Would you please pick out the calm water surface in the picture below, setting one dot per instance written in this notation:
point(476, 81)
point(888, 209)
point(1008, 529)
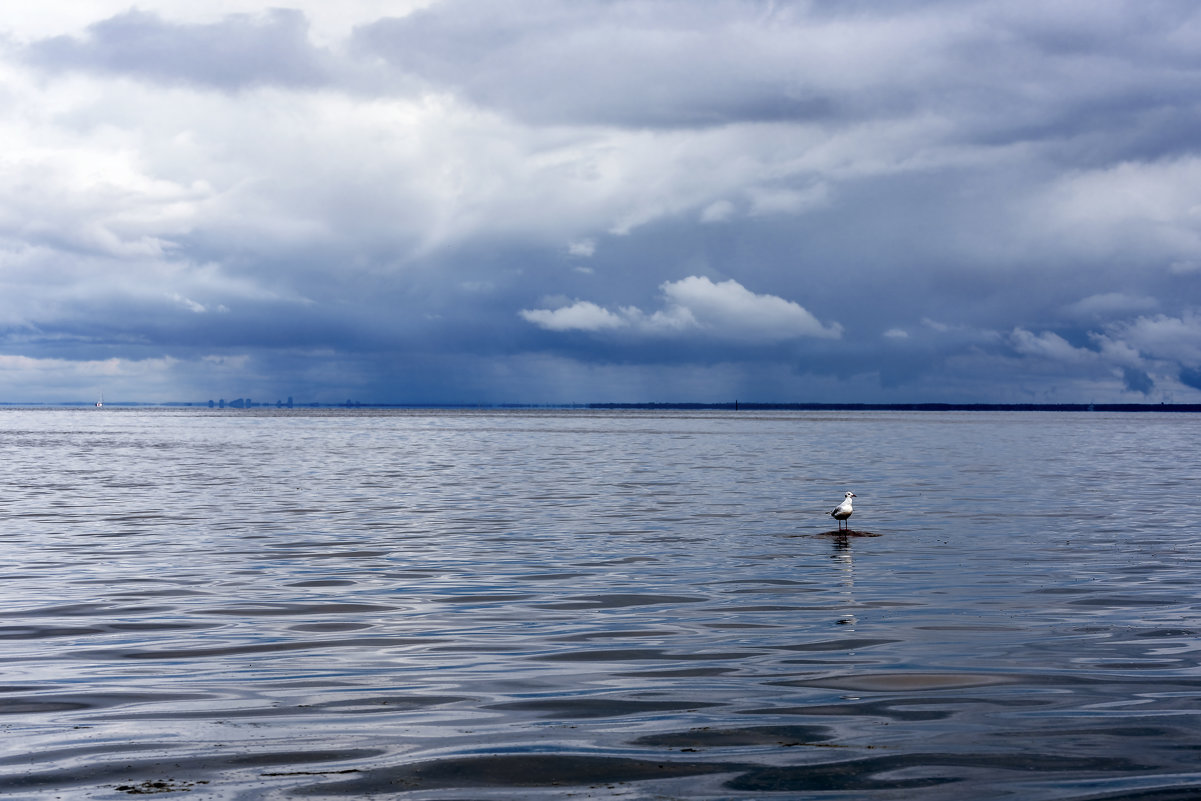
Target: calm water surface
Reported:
point(636, 605)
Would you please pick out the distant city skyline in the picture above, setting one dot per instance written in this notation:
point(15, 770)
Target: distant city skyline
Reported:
point(465, 202)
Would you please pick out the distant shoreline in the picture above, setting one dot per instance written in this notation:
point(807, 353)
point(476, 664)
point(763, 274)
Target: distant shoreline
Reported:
point(732, 406)
point(916, 407)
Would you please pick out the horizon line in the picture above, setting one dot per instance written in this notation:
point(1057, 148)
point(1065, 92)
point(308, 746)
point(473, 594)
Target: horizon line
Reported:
point(241, 404)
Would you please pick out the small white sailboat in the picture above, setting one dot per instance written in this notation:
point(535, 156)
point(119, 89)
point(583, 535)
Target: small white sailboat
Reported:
point(100, 402)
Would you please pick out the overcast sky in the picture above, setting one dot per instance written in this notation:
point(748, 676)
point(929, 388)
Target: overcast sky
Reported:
point(552, 201)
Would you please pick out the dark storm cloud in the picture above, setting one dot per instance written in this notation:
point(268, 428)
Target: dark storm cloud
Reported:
point(1137, 380)
point(614, 200)
point(994, 73)
point(1191, 378)
point(236, 52)
point(663, 64)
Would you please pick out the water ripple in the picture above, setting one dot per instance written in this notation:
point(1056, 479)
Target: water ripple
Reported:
point(522, 604)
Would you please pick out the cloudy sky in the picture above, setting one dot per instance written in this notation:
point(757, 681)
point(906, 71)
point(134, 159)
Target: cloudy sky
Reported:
point(555, 201)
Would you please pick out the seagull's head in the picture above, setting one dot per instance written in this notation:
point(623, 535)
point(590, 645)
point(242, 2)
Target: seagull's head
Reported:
point(851, 495)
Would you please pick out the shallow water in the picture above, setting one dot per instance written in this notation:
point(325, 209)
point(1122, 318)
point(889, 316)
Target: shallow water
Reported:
point(638, 605)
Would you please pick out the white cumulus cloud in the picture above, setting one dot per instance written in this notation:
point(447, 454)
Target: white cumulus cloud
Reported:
point(580, 316)
point(725, 310)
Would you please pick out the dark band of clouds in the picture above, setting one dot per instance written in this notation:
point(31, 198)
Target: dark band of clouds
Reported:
point(236, 52)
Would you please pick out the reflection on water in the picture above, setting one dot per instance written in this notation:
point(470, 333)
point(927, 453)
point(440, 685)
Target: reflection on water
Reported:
point(846, 570)
point(631, 605)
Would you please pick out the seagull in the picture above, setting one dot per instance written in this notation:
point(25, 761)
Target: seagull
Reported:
point(843, 510)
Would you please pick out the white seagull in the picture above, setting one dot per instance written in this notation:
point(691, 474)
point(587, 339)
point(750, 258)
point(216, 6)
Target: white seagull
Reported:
point(843, 510)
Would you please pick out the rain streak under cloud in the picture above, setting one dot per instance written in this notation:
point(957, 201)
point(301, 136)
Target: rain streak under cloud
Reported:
point(553, 201)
